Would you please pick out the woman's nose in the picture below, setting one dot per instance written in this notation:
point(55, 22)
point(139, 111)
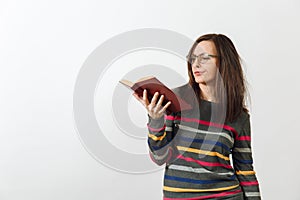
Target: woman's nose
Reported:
point(196, 65)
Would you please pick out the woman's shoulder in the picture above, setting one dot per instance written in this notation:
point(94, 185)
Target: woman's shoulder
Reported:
point(240, 120)
point(182, 89)
point(186, 92)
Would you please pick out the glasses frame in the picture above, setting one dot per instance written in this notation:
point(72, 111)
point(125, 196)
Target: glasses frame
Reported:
point(200, 61)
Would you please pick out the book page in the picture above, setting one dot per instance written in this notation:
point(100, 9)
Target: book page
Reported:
point(126, 82)
point(145, 78)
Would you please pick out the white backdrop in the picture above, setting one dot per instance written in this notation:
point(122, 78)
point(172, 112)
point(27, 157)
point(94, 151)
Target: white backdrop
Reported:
point(43, 45)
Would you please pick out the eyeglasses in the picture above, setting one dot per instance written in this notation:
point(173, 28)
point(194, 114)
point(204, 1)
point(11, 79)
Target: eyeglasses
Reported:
point(202, 58)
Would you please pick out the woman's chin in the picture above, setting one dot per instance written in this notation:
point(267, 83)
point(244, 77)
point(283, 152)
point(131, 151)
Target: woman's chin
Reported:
point(200, 81)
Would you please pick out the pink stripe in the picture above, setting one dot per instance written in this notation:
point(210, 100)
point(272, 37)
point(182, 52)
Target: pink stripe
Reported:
point(249, 183)
point(222, 194)
point(248, 138)
point(204, 163)
point(169, 117)
point(207, 123)
point(156, 129)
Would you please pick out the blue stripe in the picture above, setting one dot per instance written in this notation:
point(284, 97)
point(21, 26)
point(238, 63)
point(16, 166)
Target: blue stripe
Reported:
point(158, 147)
point(190, 140)
point(244, 161)
point(205, 141)
point(174, 178)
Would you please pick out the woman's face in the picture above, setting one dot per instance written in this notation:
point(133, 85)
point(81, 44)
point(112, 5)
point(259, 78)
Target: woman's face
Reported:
point(204, 67)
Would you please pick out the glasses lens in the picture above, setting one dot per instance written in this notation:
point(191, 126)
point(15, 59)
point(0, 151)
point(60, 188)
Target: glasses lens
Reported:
point(191, 59)
point(203, 59)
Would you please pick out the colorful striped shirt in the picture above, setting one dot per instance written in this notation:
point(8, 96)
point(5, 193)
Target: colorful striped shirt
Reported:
point(204, 160)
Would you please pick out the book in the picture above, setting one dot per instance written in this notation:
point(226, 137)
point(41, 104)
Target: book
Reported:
point(152, 85)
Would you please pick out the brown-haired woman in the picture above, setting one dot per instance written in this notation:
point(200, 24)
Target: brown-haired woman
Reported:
point(196, 145)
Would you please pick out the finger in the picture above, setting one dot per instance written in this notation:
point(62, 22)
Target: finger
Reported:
point(136, 95)
point(145, 97)
point(139, 98)
point(166, 106)
point(158, 105)
point(154, 99)
point(160, 101)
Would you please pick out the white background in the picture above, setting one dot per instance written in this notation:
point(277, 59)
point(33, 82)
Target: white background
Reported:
point(43, 45)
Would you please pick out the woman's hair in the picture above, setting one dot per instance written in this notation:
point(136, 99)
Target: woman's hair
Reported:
point(231, 72)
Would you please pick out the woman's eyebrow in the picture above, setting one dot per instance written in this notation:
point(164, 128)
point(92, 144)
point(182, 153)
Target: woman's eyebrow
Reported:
point(203, 53)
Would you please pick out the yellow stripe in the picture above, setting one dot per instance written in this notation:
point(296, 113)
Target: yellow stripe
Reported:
point(153, 137)
point(172, 189)
point(211, 153)
point(245, 172)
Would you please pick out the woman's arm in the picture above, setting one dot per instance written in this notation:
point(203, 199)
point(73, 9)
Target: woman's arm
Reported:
point(243, 163)
point(160, 130)
point(160, 139)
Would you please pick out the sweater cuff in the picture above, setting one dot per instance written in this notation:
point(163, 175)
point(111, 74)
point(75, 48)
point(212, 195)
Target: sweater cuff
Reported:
point(156, 123)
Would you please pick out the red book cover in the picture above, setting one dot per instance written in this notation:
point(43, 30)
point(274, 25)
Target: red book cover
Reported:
point(152, 85)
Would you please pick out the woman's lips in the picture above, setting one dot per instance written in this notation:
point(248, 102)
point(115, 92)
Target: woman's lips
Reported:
point(198, 73)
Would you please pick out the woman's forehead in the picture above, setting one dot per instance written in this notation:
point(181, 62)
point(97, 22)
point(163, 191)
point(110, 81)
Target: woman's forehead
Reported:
point(205, 47)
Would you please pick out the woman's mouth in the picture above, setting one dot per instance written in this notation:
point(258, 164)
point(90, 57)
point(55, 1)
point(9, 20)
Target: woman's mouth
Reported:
point(199, 73)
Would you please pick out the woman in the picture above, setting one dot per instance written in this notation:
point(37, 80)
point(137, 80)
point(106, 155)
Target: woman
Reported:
point(196, 145)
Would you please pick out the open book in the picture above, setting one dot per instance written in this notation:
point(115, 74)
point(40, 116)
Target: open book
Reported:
point(152, 85)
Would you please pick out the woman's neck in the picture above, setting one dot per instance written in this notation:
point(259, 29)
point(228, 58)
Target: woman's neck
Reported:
point(207, 92)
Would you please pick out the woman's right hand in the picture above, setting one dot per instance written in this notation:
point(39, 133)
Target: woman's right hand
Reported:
point(155, 109)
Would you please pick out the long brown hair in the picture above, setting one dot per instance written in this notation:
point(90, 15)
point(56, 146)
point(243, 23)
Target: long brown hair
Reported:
point(231, 72)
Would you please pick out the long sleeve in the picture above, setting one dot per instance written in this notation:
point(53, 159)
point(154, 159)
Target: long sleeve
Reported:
point(160, 139)
point(243, 163)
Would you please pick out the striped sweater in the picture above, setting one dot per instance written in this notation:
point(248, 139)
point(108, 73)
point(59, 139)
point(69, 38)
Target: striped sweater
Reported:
point(204, 160)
